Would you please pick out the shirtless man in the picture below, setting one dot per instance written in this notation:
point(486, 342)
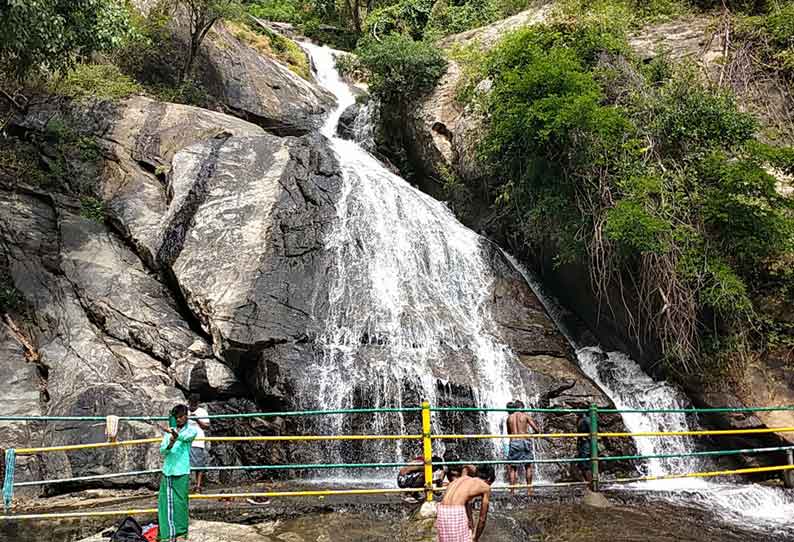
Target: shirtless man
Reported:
point(519, 423)
point(454, 520)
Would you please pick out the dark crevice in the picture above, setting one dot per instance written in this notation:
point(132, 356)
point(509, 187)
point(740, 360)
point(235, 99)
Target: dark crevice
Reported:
point(147, 145)
point(272, 126)
point(306, 196)
point(176, 230)
point(169, 282)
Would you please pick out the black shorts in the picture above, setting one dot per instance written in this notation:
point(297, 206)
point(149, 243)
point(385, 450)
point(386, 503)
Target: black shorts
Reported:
point(412, 480)
point(583, 452)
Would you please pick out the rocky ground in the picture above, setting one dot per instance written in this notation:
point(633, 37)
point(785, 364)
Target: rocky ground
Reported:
point(549, 516)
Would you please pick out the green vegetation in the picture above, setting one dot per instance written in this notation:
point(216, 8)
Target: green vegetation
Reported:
point(10, 298)
point(59, 159)
point(19, 163)
point(49, 36)
point(645, 174)
point(103, 81)
point(400, 68)
point(350, 67)
point(321, 20)
point(771, 36)
point(92, 209)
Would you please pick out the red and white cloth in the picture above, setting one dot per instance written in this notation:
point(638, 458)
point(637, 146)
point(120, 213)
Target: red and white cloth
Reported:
point(452, 524)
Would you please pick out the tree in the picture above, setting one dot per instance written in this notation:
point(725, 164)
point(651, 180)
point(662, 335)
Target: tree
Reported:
point(50, 36)
point(202, 15)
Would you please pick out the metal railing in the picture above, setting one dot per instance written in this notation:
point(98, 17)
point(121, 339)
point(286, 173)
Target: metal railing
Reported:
point(427, 437)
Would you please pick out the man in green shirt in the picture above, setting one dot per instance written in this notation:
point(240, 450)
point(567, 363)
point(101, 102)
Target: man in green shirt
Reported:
point(172, 502)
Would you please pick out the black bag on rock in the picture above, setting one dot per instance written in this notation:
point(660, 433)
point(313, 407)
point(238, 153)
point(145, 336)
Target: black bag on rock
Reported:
point(128, 531)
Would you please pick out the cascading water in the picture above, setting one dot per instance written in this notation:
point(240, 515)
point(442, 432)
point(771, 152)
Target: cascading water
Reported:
point(408, 296)
point(630, 388)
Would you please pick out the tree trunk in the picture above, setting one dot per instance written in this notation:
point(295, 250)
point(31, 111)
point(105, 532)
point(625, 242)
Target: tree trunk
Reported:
point(357, 16)
point(189, 60)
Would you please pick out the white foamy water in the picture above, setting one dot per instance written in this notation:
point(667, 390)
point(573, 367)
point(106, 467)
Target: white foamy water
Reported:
point(630, 388)
point(409, 294)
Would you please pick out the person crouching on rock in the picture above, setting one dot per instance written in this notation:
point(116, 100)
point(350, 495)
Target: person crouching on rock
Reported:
point(454, 518)
point(413, 476)
point(172, 501)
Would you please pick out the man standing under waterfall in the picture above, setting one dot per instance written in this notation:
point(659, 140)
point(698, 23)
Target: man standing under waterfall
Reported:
point(519, 423)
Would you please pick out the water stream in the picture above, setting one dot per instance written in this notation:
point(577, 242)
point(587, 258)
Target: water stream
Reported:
point(629, 387)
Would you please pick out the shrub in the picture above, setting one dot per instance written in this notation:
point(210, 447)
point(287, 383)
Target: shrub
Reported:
point(349, 67)
point(10, 297)
point(647, 171)
point(400, 67)
point(744, 210)
point(149, 53)
point(452, 19)
point(189, 93)
point(92, 209)
point(96, 81)
point(690, 117)
point(49, 36)
point(285, 11)
point(407, 17)
point(635, 229)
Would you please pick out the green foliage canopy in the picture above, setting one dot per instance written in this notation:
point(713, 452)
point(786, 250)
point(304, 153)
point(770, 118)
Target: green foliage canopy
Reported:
point(647, 171)
point(400, 67)
point(52, 35)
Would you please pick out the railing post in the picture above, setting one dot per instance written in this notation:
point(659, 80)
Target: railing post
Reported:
point(427, 447)
point(594, 446)
point(788, 475)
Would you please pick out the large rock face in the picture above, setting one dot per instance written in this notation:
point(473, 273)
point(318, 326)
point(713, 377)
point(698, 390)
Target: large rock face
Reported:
point(259, 88)
point(88, 369)
point(200, 274)
point(209, 273)
point(442, 134)
point(248, 84)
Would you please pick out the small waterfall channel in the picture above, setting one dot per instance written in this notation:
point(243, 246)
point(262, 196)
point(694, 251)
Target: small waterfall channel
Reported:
point(409, 296)
point(629, 387)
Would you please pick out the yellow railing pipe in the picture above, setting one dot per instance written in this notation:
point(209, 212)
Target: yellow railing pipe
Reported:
point(427, 450)
point(699, 433)
point(533, 435)
point(707, 474)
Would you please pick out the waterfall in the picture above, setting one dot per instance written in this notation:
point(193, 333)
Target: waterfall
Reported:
point(409, 307)
point(629, 387)
point(408, 296)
